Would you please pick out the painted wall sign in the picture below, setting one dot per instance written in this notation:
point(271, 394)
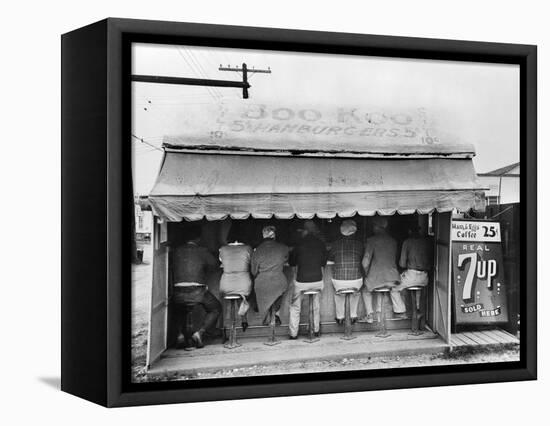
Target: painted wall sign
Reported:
point(258, 126)
point(478, 274)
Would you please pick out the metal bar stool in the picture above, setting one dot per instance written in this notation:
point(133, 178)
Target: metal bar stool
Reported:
point(311, 326)
point(188, 328)
point(232, 343)
point(416, 292)
point(271, 341)
point(348, 327)
point(382, 292)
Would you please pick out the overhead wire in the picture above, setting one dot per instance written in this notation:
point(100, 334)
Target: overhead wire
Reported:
point(192, 67)
point(146, 143)
point(201, 70)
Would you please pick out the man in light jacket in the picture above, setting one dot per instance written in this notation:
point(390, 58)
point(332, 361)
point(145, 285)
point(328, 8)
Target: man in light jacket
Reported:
point(380, 267)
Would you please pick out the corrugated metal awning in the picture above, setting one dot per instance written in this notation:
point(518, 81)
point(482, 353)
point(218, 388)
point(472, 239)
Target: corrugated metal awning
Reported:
point(199, 185)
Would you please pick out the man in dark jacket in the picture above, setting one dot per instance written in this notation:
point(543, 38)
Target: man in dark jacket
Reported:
point(309, 256)
point(190, 265)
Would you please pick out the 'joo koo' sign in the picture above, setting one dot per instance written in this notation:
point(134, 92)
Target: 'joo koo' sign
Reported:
point(478, 279)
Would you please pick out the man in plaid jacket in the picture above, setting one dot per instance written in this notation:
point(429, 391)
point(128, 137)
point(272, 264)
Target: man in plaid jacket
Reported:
point(347, 253)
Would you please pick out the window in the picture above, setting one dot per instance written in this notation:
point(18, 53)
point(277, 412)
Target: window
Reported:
point(492, 200)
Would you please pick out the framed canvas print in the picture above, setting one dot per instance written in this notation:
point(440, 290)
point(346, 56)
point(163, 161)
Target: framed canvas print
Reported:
point(279, 212)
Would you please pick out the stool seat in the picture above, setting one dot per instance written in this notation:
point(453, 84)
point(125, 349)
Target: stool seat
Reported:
point(307, 293)
point(414, 288)
point(382, 290)
point(346, 291)
point(231, 296)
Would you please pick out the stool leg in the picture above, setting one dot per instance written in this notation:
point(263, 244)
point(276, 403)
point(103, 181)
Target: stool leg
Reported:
point(414, 306)
point(311, 337)
point(347, 319)
point(383, 329)
point(233, 330)
point(188, 330)
point(272, 340)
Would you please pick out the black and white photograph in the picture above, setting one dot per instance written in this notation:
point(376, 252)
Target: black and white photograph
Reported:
point(300, 212)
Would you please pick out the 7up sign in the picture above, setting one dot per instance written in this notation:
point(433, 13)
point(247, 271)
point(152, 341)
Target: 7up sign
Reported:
point(479, 290)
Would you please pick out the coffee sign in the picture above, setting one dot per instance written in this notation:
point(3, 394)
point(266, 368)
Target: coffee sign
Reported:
point(479, 289)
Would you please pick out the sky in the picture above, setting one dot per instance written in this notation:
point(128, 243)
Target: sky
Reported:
point(476, 102)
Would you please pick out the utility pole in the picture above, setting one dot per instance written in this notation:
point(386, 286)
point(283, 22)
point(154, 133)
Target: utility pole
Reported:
point(244, 69)
point(159, 79)
point(203, 81)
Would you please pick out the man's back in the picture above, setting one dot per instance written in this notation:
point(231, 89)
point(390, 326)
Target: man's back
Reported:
point(380, 261)
point(269, 256)
point(417, 253)
point(309, 256)
point(191, 262)
point(346, 253)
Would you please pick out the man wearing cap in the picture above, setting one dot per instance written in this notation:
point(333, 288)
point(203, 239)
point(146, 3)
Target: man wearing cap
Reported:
point(347, 253)
point(191, 264)
point(266, 266)
point(309, 257)
point(416, 260)
point(379, 264)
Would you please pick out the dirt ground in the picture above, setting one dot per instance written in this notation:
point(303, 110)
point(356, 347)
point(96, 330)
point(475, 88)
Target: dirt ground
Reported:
point(141, 290)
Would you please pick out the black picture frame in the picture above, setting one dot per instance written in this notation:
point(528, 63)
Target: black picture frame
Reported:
point(95, 202)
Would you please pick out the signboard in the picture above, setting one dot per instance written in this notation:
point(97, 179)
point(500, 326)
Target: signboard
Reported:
point(478, 273)
point(291, 127)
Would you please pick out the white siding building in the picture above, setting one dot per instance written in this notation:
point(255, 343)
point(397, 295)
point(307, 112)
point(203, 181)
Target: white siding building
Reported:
point(503, 185)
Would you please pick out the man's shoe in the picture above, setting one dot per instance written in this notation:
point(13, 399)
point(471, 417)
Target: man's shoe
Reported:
point(400, 316)
point(354, 320)
point(197, 338)
point(369, 319)
point(317, 334)
point(339, 321)
point(292, 337)
point(244, 324)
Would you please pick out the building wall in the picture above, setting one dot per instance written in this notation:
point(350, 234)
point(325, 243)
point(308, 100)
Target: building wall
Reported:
point(144, 220)
point(509, 188)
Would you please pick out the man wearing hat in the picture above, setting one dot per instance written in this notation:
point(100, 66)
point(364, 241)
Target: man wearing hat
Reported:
point(309, 257)
point(347, 253)
point(267, 267)
point(379, 264)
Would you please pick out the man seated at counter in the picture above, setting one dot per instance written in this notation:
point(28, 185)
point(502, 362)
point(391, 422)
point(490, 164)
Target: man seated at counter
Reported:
point(417, 259)
point(379, 264)
point(347, 253)
point(190, 265)
point(270, 283)
point(309, 257)
point(235, 261)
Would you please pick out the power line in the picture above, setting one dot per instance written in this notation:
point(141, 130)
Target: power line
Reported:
point(201, 68)
point(146, 143)
point(192, 67)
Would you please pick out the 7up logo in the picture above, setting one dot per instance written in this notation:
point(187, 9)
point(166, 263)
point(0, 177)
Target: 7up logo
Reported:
point(474, 268)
